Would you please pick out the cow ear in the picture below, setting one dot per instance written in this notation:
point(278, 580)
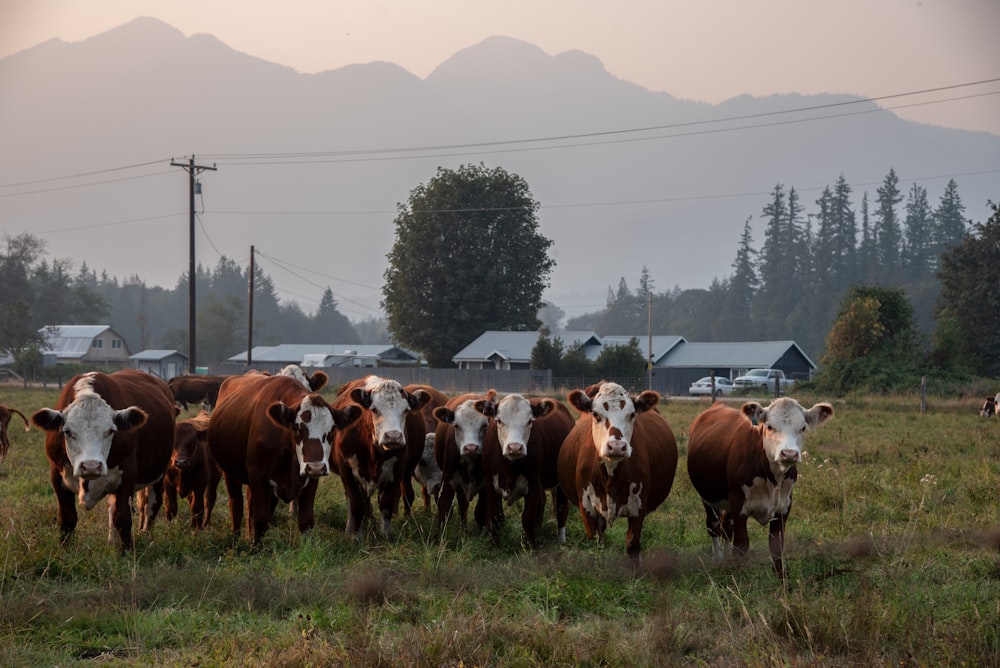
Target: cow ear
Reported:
point(444, 414)
point(491, 395)
point(819, 414)
point(361, 397)
point(645, 401)
point(580, 400)
point(592, 390)
point(48, 419)
point(282, 415)
point(318, 380)
point(345, 416)
point(754, 412)
point(542, 408)
point(417, 399)
point(130, 418)
point(486, 407)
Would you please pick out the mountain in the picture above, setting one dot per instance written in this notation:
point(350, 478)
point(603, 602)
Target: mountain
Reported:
point(310, 167)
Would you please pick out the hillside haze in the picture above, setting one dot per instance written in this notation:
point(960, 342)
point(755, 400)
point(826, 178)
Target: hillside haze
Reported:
point(311, 167)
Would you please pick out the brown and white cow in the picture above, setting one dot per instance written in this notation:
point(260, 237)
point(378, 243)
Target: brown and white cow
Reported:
point(193, 473)
point(520, 461)
point(742, 464)
point(196, 389)
point(109, 435)
point(458, 450)
point(989, 408)
point(372, 453)
point(6, 413)
point(619, 460)
point(313, 382)
point(274, 436)
point(421, 464)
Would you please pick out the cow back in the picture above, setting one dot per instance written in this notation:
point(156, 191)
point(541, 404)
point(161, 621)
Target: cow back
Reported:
point(720, 440)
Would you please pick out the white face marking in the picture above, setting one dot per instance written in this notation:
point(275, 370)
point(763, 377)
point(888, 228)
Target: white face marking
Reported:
point(295, 371)
point(388, 408)
point(613, 416)
point(514, 418)
point(784, 425)
point(314, 429)
point(470, 428)
point(88, 429)
point(765, 500)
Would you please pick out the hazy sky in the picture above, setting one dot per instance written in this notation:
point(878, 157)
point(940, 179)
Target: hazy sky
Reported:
point(707, 51)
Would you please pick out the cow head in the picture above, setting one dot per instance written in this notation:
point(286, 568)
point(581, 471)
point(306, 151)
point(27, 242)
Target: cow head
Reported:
point(470, 425)
point(514, 416)
point(312, 383)
point(784, 425)
point(389, 404)
point(87, 427)
point(187, 436)
point(311, 422)
point(613, 412)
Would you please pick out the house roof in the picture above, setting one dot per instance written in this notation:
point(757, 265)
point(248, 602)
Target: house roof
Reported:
point(661, 345)
point(155, 354)
point(516, 346)
point(68, 341)
point(729, 354)
point(294, 353)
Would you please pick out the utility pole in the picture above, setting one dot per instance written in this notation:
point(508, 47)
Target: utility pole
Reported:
point(193, 170)
point(250, 313)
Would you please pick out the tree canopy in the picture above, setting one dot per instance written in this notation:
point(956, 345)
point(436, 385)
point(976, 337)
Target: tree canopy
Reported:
point(468, 257)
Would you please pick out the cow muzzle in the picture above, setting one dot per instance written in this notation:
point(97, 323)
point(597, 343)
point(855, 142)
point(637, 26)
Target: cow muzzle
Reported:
point(393, 440)
point(90, 469)
point(616, 449)
point(315, 469)
point(789, 456)
point(470, 449)
point(514, 451)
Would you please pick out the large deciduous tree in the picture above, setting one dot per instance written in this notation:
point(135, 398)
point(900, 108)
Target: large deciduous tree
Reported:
point(468, 257)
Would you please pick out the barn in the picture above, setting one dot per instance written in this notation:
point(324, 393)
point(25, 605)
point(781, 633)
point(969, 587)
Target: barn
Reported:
point(94, 345)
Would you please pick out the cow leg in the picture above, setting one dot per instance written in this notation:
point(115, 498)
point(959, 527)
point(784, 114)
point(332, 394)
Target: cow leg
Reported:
point(196, 502)
point(633, 538)
point(260, 505)
point(589, 523)
point(66, 499)
point(211, 491)
point(714, 523)
point(776, 542)
point(479, 512)
point(407, 492)
point(533, 514)
point(170, 505)
point(235, 490)
point(358, 504)
point(120, 517)
point(306, 503)
point(561, 504)
point(444, 504)
point(388, 501)
point(154, 499)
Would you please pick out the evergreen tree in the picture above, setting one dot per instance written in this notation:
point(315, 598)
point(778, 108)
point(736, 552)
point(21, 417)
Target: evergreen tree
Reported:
point(467, 257)
point(918, 256)
point(950, 224)
point(739, 291)
point(970, 300)
point(888, 233)
point(330, 325)
point(867, 254)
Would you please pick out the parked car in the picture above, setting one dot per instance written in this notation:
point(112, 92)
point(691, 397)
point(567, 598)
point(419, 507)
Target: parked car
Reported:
point(764, 379)
point(703, 387)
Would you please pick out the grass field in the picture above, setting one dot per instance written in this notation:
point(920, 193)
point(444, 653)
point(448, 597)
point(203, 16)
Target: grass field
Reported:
point(893, 559)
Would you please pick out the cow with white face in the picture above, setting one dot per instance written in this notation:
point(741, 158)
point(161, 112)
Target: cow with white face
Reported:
point(109, 435)
point(372, 453)
point(274, 436)
point(743, 464)
point(313, 383)
point(619, 461)
point(458, 447)
point(520, 455)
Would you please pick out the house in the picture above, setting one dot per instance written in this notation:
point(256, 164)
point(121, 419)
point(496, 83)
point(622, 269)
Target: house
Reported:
point(163, 363)
point(93, 345)
point(692, 360)
point(512, 350)
point(676, 361)
point(323, 355)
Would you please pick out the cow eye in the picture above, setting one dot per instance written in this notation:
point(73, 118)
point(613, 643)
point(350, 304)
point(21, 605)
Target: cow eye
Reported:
point(499, 422)
point(376, 411)
point(68, 434)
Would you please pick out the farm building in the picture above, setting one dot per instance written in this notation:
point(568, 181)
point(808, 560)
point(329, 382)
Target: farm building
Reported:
point(323, 355)
point(163, 363)
point(95, 345)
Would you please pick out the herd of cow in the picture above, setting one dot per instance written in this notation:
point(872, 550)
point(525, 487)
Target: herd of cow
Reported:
point(117, 436)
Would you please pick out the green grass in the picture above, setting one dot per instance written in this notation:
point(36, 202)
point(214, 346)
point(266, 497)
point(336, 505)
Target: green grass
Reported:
point(893, 558)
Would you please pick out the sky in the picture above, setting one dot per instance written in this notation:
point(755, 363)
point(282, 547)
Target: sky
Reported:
point(862, 47)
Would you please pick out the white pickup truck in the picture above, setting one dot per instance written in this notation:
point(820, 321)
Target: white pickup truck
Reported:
point(763, 379)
